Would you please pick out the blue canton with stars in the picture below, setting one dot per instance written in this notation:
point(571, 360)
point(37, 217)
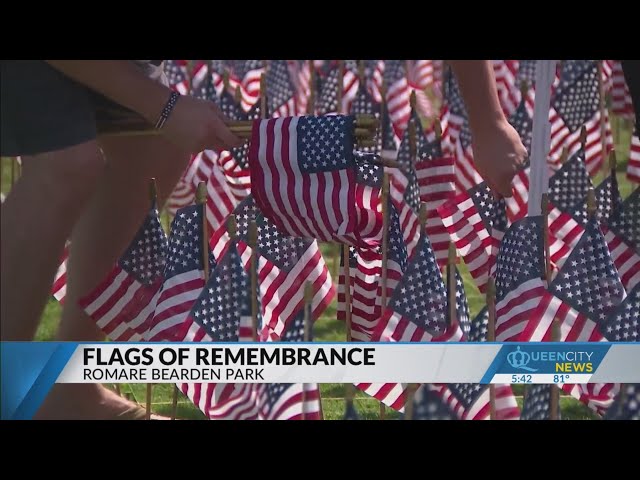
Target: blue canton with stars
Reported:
point(368, 172)
point(588, 281)
point(421, 296)
point(224, 299)
point(145, 257)
point(537, 403)
point(427, 405)
point(608, 198)
point(467, 393)
point(577, 97)
point(328, 98)
point(626, 221)
point(521, 256)
point(325, 143)
point(626, 405)
point(365, 104)
point(393, 71)
point(242, 67)
point(527, 71)
point(185, 243)
point(175, 73)
point(568, 187)
point(386, 132)
point(278, 84)
point(480, 327)
point(623, 322)
point(397, 251)
point(488, 208)
point(457, 107)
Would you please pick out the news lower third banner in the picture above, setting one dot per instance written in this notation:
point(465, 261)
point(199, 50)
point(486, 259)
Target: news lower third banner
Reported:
point(29, 369)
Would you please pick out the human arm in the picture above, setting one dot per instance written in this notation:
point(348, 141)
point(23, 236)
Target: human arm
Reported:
point(194, 124)
point(498, 151)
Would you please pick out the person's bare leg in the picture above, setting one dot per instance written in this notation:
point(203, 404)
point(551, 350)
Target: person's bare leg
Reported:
point(37, 218)
point(106, 227)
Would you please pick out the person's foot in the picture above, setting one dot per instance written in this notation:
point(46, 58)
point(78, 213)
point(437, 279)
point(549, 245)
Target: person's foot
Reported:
point(89, 401)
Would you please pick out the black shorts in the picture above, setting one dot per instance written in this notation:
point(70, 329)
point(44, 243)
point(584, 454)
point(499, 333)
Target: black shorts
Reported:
point(42, 110)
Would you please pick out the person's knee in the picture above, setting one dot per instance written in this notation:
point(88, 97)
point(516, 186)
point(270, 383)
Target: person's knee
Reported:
point(68, 175)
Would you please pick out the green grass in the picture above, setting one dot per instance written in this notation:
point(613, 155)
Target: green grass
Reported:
point(327, 328)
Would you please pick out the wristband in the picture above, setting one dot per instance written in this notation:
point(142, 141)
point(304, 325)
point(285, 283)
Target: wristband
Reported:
point(166, 111)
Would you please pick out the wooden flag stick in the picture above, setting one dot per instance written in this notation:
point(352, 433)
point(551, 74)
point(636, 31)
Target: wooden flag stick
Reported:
point(491, 337)
point(340, 86)
point(409, 397)
point(308, 297)
point(385, 255)
point(263, 96)
point(583, 139)
point(253, 244)
point(603, 110)
point(346, 271)
point(153, 196)
point(546, 274)
point(451, 284)
point(311, 102)
point(413, 141)
point(201, 199)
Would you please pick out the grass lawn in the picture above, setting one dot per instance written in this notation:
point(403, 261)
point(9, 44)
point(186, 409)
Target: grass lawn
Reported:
point(326, 329)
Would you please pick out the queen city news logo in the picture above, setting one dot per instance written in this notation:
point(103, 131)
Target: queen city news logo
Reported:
point(545, 360)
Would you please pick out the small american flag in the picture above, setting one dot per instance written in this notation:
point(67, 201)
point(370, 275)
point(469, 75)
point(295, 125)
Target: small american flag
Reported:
point(471, 401)
point(537, 403)
point(519, 273)
point(177, 72)
point(506, 72)
point(427, 405)
point(183, 274)
point(621, 102)
point(281, 93)
point(633, 167)
point(626, 221)
point(365, 104)
point(575, 103)
point(469, 220)
point(206, 81)
point(398, 95)
point(626, 406)
point(59, 287)
point(297, 162)
point(248, 73)
point(122, 305)
point(284, 265)
point(328, 97)
point(582, 294)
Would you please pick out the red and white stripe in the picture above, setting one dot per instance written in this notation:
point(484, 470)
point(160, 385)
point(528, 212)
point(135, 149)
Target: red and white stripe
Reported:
point(625, 258)
point(220, 200)
point(121, 306)
point(505, 72)
point(470, 236)
point(436, 180)
point(250, 88)
point(59, 287)
point(621, 102)
point(597, 396)
point(514, 310)
point(183, 194)
point(238, 179)
point(398, 105)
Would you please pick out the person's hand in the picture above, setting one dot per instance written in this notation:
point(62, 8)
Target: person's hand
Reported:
point(196, 125)
point(498, 154)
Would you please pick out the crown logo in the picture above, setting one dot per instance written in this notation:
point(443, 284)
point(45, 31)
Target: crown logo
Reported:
point(520, 359)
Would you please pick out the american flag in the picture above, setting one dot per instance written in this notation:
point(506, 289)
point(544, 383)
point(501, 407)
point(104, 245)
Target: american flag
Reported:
point(281, 93)
point(248, 73)
point(626, 405)
point(328, 96)
point(207, 79)
point(374, 74)
point(183, 275)
point(621, 102)
point(479, 327)
point(418, 310)
point(633, 167)
point(427, 405)
point(436, 183)
point(469, 220)
point(297, 162)
point(537, 403)
point(623, 322)
point(519, 274)
point(398, 94)
point(420, 77)
point(284, 265)
point(177, 72)
point(300, 75)
point(471, 401)
point(575, 103)
point(527, 71)
point(405, 196)
point(626, 221)
point(582, 294)
point(388, 137)
point(459, 135)
point(364, 104)
point(506, 73)
point(122, 305)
